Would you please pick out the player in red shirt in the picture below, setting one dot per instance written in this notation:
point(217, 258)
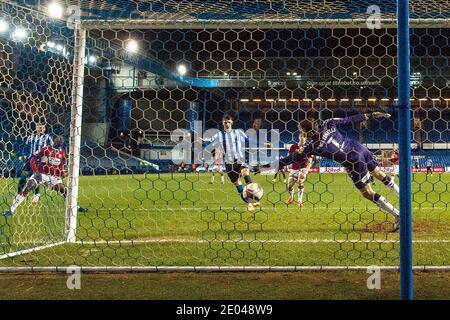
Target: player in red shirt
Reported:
point(48, 168)
point(298, 172)
point(395, 162)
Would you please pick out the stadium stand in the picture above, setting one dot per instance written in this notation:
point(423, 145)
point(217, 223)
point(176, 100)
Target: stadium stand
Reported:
point(96, 159)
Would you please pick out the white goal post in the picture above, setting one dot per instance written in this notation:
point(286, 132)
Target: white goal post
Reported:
point(75, 132)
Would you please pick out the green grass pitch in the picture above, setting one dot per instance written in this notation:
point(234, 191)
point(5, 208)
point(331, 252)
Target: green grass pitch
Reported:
point(181, 219)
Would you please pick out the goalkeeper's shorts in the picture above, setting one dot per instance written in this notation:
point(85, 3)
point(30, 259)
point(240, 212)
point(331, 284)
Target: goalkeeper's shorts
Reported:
point(359, 165)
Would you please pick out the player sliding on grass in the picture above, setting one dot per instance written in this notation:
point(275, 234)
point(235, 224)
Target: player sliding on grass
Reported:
point(48, 168)
point(325, 140)
point(231, 142)
point(298, 171)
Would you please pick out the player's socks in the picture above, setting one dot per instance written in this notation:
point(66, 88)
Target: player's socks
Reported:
point(247, 179)
point(240, 188)
point(222, 179)
point(291, 196)
point(18, 199)
point(212, 179)
point(36, 196)
point(388, 182)
point(300, 194)
point(383, 204)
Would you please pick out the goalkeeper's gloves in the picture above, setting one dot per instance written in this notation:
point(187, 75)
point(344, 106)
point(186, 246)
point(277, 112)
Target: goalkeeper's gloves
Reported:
point(375, 115)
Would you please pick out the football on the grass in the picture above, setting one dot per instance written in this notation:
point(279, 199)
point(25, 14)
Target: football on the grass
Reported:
point(253, 192)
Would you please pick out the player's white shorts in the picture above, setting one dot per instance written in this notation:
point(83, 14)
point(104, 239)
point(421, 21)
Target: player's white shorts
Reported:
point(218, 168)
point(396, 169)
point(47, 179)
point(297, 175)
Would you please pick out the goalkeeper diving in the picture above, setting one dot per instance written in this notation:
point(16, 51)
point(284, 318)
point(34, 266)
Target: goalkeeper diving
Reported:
point(325, 140)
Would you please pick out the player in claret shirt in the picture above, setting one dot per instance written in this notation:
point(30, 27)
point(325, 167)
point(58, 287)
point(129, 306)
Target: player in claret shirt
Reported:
point(395, 162)
point(48, 169)
point(325, 140)
point(298, 172)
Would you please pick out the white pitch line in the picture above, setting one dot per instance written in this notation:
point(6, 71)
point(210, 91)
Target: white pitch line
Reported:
point(25, 251)
point(181, 240)
point(209, 268)
point(175, 240)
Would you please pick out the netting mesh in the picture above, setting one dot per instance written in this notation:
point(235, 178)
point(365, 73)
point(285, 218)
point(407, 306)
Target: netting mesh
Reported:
point(151, 197)
point(35, 88)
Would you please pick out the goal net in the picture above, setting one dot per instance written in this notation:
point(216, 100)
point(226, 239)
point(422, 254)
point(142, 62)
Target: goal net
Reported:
point(139, 90)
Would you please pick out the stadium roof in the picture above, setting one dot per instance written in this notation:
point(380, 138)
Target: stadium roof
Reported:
point(249, 11)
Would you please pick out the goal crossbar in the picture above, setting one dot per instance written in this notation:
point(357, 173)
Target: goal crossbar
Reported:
point(281, 23)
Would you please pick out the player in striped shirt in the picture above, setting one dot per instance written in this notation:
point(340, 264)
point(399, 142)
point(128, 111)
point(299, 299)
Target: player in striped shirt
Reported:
point(33, 144)
point(231, 142)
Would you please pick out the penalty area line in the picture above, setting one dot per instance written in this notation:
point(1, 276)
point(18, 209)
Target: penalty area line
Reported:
point(25, 251)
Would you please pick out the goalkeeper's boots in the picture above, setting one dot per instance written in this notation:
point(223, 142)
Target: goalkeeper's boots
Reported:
point(82, 210)
point(7, 214)
point(290, 200)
